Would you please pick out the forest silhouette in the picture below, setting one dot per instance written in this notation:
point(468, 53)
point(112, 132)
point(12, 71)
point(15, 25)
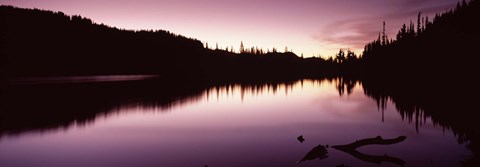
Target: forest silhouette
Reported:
point(433, 49)
point(43, 43)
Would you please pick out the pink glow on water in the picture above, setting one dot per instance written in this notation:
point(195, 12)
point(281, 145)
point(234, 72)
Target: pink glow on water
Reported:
point(236, 127)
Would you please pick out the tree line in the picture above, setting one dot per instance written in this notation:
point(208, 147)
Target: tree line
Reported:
point(36, 42)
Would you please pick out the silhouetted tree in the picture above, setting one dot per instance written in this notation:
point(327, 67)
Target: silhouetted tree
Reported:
point(242, 48)
point(384, 36)
point(351, 55)
point(402, 33)
point(411, 30)
point(427, 22)
point(340, 57)
point(419, 23)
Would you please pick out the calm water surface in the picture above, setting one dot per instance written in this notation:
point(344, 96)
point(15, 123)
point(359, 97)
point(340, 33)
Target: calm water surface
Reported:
point(238, 126)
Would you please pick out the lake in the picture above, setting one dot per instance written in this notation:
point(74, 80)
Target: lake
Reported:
point(230, 125)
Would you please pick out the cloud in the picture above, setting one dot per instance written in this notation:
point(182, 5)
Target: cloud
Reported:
point(354, 33)
point(350, 33)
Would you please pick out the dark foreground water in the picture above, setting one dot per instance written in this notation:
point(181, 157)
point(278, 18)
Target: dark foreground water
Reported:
point(232, 126)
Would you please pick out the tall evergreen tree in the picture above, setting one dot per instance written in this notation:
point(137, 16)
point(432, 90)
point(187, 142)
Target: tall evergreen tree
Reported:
point(242, 48)
point(384, 36)
point(419, 23)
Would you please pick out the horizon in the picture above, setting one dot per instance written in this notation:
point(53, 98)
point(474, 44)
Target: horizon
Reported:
point(309, 28)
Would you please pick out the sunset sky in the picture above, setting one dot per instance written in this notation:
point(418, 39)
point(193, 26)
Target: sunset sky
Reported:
point(311, 27)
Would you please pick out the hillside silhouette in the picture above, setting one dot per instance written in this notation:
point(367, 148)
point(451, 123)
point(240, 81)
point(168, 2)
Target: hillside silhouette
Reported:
point(44, 43)
point(430, 49)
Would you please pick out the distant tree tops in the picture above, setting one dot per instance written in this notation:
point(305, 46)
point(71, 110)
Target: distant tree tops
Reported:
point(245, 50)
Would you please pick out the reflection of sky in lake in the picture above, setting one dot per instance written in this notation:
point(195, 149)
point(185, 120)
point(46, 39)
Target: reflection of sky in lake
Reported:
point(224, 128)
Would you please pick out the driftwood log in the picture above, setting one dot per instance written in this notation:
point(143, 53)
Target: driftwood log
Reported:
point(370, 141)
point(352, 150)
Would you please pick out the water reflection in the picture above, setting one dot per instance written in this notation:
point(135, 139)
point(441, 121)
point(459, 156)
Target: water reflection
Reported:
point(376, 159)
point(319, 152)
point(78, 79)
point(447, 107)
point(156, 123)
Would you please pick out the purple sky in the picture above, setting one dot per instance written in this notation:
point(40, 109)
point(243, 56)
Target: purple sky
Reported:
point(311, 27)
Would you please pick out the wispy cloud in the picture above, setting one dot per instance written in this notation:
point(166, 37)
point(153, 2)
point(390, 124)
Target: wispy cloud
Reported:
point(354, 33)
